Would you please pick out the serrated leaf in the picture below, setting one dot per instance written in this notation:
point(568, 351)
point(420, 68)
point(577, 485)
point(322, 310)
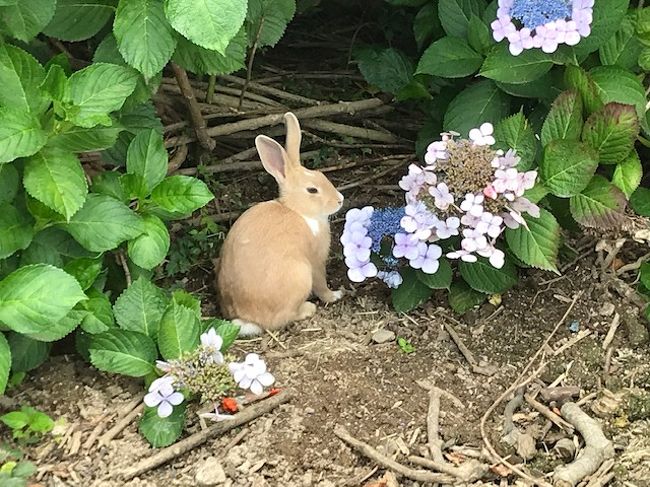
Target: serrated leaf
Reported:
point(390, 70)
point(502, 66)
point(150, 249)
point(144, 36)
point(55, 82)
point(456, 14)
point(462, 298)
point(28, 354)
point(581, 81)
point(98, 90)
point(5, 363)
point(16, 231)
point(20, 135)
point(612, 131)
point(109, 183)
point(567, 167)
point(147, 158)
point(600, 205)
point(123, 352)
point(266, 20)
point(211, 24)
point(35, 296)
point(84, 270)
point(564, 120)
point(56, 178)
point(516, 133)
point(140, 307)
point(479, 103)
point(485, 278)
point(546, 88)
point(181, 195)
point(479, 35)
point(179, 331)
point(628, 174)
point(640, 201)
point(20, 78)
point(103, 223)
point(449, 57)
point(442, 277)
point(99, 316)
point(183, 298)
point(8, 183)
point(623, 48)
point(25, 19)
point(162, 432)
point(606, 20)
point(78, 20)
point(536, 244)
point(198, 60)
point(411, 293)
point(426, 23)
point(228, 331)
point(79, 139)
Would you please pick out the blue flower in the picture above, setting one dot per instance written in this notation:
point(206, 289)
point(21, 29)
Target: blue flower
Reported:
point(384, 222)
point(533, 13)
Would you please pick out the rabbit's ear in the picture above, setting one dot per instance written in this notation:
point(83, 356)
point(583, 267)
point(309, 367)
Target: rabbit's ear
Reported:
point(273, 157)
point(294, 137)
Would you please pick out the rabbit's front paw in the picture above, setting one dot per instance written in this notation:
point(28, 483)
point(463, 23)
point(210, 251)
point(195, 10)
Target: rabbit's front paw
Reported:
point(332, 296)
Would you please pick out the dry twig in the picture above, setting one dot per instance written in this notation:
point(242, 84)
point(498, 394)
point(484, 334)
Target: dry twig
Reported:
point(548, 414)
point(469, 356)
point(128, 414)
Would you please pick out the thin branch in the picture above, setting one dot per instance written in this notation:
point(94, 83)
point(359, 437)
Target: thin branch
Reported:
point(209, 94)
point(350, 131)
point(251, 59)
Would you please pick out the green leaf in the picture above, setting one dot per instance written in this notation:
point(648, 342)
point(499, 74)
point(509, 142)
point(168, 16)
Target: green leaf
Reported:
point(56, 179)
point(55, 82)
point(600, 205)
point(612, 131)
point(449, 57)
point(181, 195)
point(144, 36)
point(387, 69)
point(16, 419)
point(567, 167)
point(99, 316)
point(84, 270)
point(479, 35)
point(147, 158)
point(462, 298)
point(27, 354)
point(97, 90)
point(456, 14)
point(184, 298)
point(485, 278)
point(581, 81)
point(538, 242)
point(441, 279)
point(108, 183)
point(516, 133)
point(607, 17)
point(162, 432)
point(198, 60)
point(149, 249)
point(35, 296)
point(479, 103)
point(502, 66)
point(80, 139)
point(20, 135)
point(644, 274)
point(123, 352)
point(644, 59)
point(78, 20)
point(411, 293)
point(140, 307)
point(20, 78)
point(266, 20)
point(615, 84)
point(546, 88)
point(179, 331)
point(628, 174)
point(8, 183)
point(16, 231)
point(536, 193)
point(623, 48)
point(103, 223)
point(564, 120)
point(640, 201)
point(25, 19)
point(426, 23)
point(229, 332)
point(211, 24)
point(5, 363)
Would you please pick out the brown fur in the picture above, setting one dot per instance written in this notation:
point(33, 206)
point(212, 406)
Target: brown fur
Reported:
point(271, 260)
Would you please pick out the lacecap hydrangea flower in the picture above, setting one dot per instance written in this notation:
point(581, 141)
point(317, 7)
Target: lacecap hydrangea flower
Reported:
point(545, 24)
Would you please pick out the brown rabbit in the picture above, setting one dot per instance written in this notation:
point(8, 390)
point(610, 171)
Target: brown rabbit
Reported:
point(274, 255)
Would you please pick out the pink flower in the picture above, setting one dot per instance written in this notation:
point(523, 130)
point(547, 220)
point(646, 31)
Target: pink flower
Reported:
point(436, 151)
point(501, 27)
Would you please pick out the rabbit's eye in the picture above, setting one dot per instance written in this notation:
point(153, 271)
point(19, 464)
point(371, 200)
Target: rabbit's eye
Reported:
point(312, 190)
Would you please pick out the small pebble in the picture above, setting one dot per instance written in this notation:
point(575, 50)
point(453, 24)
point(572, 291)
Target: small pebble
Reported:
point(607, 309)
point(210, 472)
point(383, 336)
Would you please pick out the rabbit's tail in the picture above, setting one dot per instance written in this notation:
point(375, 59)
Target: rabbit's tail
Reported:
point(247, 329)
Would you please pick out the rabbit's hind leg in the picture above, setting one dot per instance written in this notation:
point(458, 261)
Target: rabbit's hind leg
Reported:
point(306, 310)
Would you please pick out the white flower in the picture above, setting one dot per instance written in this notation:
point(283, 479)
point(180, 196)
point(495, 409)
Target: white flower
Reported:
point(436, 151)
point(463, 255)
point(216, 416)
point(473, 204)
point(448, 228)
point(443, 198)
point(482, 135)
point(212, 343)
point(251, 374)
point(162, 394)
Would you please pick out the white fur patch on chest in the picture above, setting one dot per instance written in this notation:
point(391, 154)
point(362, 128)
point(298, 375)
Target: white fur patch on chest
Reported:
point(314, 225)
